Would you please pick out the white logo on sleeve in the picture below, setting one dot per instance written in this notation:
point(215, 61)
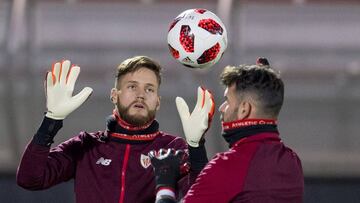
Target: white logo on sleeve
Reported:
point(145, 161)
point(103, 161)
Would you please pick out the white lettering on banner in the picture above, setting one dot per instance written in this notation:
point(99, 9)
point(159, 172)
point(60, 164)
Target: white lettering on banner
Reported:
point(244, 123)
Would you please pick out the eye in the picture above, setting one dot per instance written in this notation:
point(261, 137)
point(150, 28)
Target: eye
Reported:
point(151, 90)
point(132, 87)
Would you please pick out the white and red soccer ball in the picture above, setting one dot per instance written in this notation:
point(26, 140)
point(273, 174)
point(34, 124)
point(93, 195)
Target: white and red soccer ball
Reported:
point(197, 38)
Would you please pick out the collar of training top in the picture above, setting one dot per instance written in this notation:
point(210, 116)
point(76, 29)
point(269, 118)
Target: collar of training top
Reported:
point(118, 130)
point(236, 130)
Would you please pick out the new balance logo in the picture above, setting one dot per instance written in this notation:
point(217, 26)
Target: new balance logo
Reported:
point(103, 161)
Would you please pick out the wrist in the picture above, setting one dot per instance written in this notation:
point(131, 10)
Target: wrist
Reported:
point(54, 117)
point(165, 192)
point(198, 157)
point(194, 139)
point(47, 131)
point(192, 143)
point(167, 181)
point(166, 177)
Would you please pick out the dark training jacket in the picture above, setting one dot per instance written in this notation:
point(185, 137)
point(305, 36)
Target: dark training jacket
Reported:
point(114, 170)
point(258, 168)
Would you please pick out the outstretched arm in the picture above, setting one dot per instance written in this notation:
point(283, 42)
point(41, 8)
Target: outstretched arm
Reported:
point(41, 168)
point(195, 125)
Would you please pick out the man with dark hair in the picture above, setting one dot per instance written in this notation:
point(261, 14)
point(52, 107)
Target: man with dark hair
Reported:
point(111, 165)
point(258, 167)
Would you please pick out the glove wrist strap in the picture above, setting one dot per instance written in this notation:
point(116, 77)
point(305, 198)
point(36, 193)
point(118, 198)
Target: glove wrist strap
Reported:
point(197, 156)
point(47, 131)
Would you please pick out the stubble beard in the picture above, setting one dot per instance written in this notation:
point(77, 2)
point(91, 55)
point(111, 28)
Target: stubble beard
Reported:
point(232, 117)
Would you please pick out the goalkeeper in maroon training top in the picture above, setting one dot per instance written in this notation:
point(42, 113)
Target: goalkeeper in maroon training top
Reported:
point(112, 165)
point(258, 167)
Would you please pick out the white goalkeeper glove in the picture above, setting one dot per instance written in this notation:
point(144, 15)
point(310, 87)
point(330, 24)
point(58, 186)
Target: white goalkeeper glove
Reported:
point(196, 124)
point(59, 87)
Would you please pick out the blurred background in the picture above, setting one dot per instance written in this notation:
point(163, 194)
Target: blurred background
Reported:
point(314, 43)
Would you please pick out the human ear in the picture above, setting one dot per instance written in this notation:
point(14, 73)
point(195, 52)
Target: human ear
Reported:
point(244, 110)
point(158, 103)
point(113, 95)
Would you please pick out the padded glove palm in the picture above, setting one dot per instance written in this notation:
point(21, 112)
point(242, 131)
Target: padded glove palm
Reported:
point(196, 124)
point(59, 87)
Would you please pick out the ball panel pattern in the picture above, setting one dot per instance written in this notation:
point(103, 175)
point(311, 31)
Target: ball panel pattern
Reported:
point(209, 54)
point(211, 26)
point(187, 38)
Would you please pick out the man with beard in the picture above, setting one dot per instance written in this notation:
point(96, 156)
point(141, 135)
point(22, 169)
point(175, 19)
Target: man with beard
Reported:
point(111, 165)
point(258, 167)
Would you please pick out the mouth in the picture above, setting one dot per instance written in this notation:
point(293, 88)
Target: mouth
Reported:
point(139, 106)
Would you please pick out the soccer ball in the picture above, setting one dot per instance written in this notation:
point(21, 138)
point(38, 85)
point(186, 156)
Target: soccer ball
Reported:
point(197, 38)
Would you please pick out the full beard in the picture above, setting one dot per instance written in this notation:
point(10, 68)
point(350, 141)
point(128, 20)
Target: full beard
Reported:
point(136, 120)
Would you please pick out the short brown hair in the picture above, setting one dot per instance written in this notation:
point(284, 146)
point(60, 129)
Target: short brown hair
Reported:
point(259, 80)
point(133, 64)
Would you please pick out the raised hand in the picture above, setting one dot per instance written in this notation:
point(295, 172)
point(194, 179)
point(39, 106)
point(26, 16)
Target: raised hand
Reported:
point(59, 87)
point(197, 123)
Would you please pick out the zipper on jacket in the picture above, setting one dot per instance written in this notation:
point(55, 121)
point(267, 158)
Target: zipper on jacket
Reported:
point(123, 173)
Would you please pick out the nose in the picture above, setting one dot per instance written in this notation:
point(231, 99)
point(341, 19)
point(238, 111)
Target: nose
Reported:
point(140, 94)
point(222, 107)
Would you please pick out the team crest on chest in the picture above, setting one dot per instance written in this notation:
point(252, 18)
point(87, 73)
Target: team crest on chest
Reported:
point(145, 161)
